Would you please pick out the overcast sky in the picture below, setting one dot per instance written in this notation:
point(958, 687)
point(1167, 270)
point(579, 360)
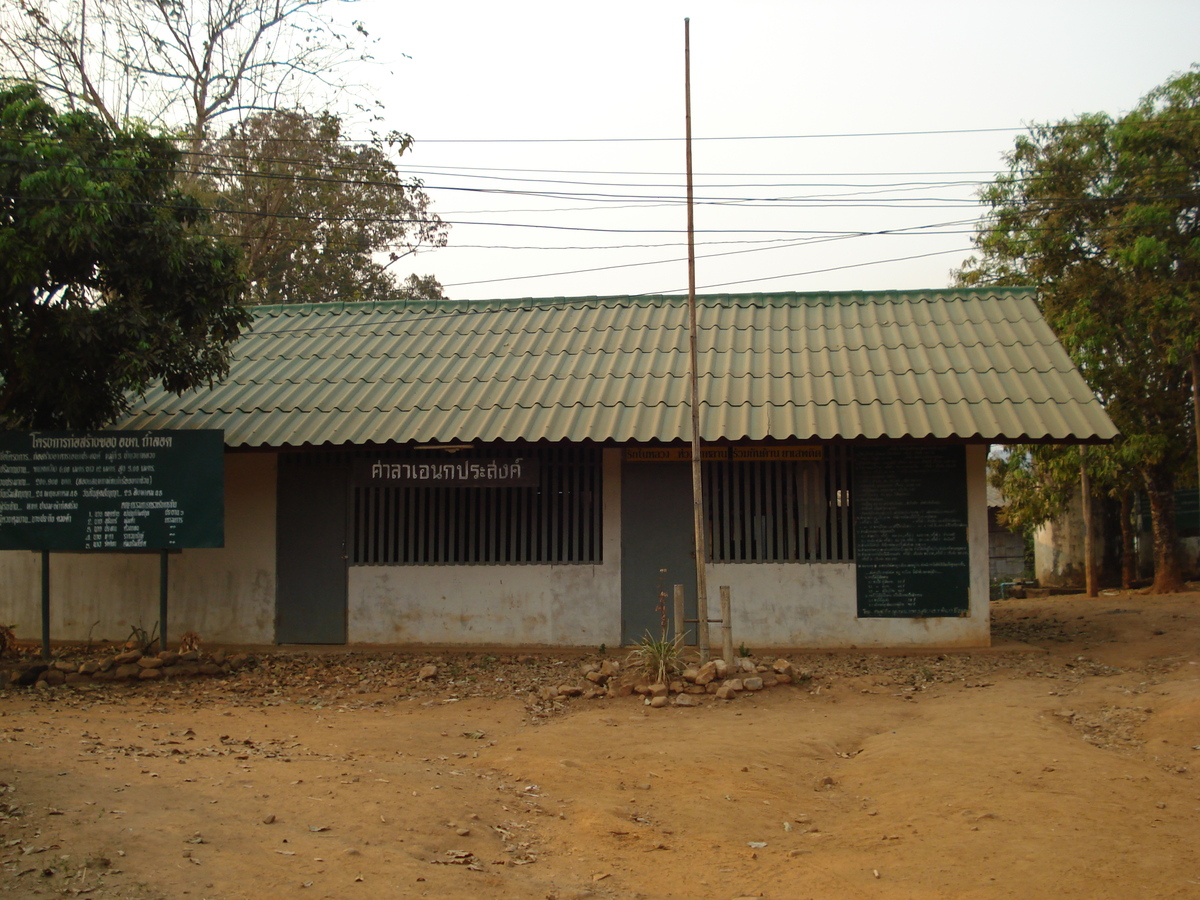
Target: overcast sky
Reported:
point(546, 127)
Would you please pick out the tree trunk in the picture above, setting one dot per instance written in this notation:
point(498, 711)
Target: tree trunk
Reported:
point(1128, 551)
point(1168, 568)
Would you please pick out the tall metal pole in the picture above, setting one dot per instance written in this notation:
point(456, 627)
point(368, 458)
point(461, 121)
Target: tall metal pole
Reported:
point(697, 480)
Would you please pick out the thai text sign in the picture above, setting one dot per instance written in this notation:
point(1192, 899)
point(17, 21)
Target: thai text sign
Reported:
point(112, 490)
point(518, 472)
point(911, 554)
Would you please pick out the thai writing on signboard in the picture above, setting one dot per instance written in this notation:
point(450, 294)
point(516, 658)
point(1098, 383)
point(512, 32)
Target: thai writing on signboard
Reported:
point(518, 472)
point(910, 529)
point(723, 454)
point(150, 490)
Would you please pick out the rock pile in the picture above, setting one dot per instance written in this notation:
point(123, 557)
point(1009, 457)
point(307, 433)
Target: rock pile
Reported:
point(129, 665)
point(718, 678)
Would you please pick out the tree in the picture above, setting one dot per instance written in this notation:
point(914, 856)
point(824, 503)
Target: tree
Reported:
point(176, 64)
point(315, 215)
point(106, 285)
point(1101, 215)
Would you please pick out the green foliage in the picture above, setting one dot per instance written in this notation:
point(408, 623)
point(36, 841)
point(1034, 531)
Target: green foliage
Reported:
point(315, 214)
point(1103, 216)
point(106, 284)
point(657, 658)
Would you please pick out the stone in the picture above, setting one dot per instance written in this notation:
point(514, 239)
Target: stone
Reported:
point(610, 668)
point(151, 674)
point(783, 679)
point(91, 667)
point(128, 670)
point(707, 673)
point(77, 678)
point(595, 677)
point(734, 684)
point(746, 664)
point(658, 690)
point(219, 657)
point(237, 661)
point(769, 681)
point(172, 671)
point(188, 669)
point(129, 656)
point(106, 664)
point(169, 657)
point(781, 667)
point(689, 674)
point(695, 689)
point(427, 673)
point(588, 668)
point(150, 662)
point(625, 690)
point(753, 683)
point(676, 686)
point(54, 676)
point(570, 690)
point(210, 668)
point(722, 667)
point(658, 702)
point(548, 693)
point(28, 676)
point(66, 665)
point(725, 692)
point(686, 700)
point(190, 656)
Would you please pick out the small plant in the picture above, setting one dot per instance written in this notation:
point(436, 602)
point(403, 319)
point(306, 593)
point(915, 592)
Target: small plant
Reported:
point(140, 639)
point(658, 658)
point(743, 651)
point(603, 649)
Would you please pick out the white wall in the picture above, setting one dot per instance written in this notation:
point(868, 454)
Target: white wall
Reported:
point(815, 605)
point(577, 605)
point(226, 595)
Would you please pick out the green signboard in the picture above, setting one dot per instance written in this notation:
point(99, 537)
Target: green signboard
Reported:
point(112, 490)
point(910, 531)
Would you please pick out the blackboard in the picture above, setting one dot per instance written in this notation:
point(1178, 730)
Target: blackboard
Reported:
point(111, 490)
point(910, 529)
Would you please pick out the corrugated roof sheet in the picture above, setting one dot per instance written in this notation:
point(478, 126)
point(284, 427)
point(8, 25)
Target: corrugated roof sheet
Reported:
point(966, 363)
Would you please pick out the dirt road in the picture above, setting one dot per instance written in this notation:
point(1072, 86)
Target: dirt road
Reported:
point(1062, 763)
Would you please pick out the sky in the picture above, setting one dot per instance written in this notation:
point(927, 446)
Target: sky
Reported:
point(836, 146)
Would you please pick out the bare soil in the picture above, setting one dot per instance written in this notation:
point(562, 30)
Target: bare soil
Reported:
point(1061, 763)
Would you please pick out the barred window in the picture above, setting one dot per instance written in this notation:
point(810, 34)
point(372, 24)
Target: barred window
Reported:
point(780, 510)
point(557, 521)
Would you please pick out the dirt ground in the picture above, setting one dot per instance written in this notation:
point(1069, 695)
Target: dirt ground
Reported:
point(1063, 762)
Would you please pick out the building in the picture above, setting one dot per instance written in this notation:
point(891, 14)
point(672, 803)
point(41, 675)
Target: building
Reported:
point(516, 472)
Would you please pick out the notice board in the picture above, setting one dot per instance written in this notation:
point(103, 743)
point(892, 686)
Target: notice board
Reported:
point(910, 529)
point(112, 490)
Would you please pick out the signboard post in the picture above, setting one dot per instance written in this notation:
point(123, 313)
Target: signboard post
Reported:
point(111, 491)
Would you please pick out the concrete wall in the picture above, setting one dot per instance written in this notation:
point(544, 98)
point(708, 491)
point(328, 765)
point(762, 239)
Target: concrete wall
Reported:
point(226, 595)
point(568, 605)
point(815, 605)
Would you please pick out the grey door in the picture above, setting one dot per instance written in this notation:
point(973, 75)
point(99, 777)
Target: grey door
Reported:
point(656, 547)
point(310, 599)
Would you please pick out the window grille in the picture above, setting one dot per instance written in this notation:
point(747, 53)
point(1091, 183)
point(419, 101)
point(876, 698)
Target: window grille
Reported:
point(780, 510)
point(556, 522)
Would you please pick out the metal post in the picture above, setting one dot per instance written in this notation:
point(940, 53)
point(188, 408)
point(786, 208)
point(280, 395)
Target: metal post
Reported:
point(45, 604)
point(726, 626)
point(679, 630)
point(162, 601)
point(697, 480)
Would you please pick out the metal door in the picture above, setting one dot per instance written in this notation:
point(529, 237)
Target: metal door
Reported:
point(310, 604)
point(657, 547)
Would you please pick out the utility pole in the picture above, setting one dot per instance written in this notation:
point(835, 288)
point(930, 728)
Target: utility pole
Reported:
point(697, 479)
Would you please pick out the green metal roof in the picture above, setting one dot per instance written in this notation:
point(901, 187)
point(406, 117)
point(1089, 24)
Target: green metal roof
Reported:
point(967, 363)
